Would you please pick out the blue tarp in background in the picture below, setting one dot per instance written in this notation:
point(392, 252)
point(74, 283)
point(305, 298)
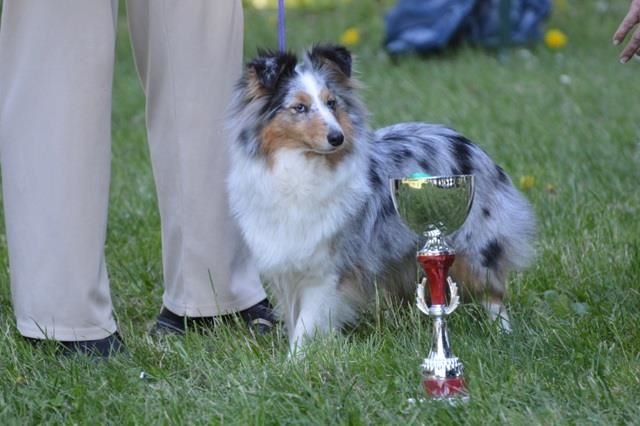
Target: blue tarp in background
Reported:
point(432, 25)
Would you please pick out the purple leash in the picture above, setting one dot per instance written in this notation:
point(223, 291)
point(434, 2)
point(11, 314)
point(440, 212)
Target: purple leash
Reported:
point(281, 35)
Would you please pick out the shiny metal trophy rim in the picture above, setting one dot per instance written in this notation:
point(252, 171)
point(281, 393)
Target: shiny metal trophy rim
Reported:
point(437, 219)
point(437, 206)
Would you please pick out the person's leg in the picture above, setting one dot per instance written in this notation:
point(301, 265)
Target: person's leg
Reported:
point(189, 55)
point(56, 63)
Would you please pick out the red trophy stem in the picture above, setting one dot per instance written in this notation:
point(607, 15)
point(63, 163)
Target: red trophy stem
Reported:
point(437, 269)
point(443, 388)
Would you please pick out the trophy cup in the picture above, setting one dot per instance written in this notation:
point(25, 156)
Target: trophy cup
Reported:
point(436, 207)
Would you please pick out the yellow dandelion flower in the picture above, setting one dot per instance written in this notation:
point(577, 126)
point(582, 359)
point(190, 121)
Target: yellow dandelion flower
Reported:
point(260, 4)
point(350, 37)
point(527, 181)
point(555, 39)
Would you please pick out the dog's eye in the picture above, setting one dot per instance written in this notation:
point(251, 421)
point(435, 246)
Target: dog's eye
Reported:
point(332, 104)
point(300, 108)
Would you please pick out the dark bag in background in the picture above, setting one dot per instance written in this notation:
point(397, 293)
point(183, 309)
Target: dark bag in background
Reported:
point(515, 22)
point(426, 26)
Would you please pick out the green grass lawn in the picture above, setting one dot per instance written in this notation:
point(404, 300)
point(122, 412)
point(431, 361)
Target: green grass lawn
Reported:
point(574, 355)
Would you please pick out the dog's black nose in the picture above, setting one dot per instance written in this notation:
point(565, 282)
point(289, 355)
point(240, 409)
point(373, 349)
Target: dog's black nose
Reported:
point(335, 138)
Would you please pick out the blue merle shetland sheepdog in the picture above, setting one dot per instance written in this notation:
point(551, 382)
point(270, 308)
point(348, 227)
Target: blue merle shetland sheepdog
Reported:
point(309, 188)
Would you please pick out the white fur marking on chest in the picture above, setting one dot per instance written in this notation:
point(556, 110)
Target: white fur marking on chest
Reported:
point(289, 214)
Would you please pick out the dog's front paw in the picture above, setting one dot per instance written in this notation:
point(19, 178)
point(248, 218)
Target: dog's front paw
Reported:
point(297, 351)
point(498, 314)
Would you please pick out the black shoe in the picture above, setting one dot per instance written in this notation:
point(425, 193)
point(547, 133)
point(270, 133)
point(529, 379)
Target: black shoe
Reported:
point(102, 348)
point(258, 317)
point(172, 324)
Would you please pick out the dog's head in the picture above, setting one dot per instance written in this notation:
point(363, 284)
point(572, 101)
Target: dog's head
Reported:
point(308, 105)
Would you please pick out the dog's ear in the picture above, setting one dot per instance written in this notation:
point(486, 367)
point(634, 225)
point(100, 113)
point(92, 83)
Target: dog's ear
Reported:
point(332, 56)
point(269, 68)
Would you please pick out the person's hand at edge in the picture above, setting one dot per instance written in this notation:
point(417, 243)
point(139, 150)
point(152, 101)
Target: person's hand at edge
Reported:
point(627, 25)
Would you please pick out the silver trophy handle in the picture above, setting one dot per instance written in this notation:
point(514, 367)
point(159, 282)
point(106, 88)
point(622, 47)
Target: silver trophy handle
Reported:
point(454, 299)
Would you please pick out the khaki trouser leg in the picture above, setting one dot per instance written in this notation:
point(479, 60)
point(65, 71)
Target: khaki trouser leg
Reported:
point(189, 55)
point(56, 65)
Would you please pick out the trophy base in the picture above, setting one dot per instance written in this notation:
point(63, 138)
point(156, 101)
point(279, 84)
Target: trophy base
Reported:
point(449, 388)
